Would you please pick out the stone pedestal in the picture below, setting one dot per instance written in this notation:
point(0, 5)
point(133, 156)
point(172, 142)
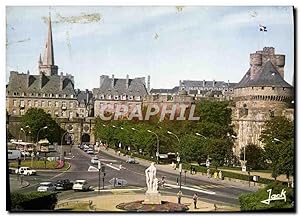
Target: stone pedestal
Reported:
point(152, 198)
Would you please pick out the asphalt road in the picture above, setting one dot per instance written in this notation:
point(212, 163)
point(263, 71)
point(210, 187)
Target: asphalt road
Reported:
point(220, 193)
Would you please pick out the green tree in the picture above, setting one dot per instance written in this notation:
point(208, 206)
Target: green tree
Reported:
point(36, 119)
point(278, 139)
point(252, 201)
point(255, 156)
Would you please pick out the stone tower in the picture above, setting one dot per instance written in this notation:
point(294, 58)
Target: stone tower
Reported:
point(46, 65)
point(260, 95)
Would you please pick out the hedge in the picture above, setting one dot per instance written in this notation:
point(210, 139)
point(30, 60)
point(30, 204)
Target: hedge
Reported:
point(33, 201)
point(252, 201)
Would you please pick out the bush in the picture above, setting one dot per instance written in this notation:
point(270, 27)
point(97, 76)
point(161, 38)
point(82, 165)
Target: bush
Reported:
point(252, 201)
point(33, 201)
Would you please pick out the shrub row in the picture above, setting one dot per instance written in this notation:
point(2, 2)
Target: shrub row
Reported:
point(32, 201)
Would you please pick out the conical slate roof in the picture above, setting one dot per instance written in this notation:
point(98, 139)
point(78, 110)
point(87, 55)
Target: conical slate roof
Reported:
point(266, 76)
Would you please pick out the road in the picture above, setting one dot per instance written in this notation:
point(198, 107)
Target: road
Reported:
point(220, 193)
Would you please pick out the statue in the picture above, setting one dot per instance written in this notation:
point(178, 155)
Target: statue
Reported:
point(151, 179)
point(152, 195)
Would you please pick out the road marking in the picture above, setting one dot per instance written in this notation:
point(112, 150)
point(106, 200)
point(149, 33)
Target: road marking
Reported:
point(120, 190)
point(111, 166)
point(108, 160)
point(192, 189)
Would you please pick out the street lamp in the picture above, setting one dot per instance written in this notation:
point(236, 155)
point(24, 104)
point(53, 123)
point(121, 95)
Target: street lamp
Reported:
point(157, 145)
point(37, 137)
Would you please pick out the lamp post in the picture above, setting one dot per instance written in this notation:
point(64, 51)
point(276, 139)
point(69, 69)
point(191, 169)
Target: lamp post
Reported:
point(157, 145)
point(37, 137)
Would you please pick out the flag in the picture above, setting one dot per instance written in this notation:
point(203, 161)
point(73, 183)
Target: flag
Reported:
point(262, 28)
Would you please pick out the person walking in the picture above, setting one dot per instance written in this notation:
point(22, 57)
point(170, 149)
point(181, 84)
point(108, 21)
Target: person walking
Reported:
point(195, 198)
point(179, 195)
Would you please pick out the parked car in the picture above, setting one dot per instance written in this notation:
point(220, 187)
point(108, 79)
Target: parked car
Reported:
point(64, 184)
point(95, 160)
point(52, 158)
point(25, 153)
point(85, 148)
point(25, 171)
point(131, 160)
point(46, 186)
point(81, 185)
point(90, 151)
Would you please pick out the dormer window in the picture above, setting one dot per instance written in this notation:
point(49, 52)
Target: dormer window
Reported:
point(130, 97)
point(44, 95)
point(116, 97)
point(71, 96)
point(56, 95)
point(102, 96)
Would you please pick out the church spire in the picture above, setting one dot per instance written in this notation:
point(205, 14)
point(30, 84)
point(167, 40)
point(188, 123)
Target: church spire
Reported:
point(46, 66)
point(49, 54)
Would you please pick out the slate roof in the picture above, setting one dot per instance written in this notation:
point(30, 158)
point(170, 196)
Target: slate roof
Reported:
point(51, 84)
point(165, 91)
point(137, 87)
point(82, 96)
point(218, 84)
point(266, 76)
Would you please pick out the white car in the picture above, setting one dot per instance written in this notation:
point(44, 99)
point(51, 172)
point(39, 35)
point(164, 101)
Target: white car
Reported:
point(81, 185)
point(95, 160)
point(26, 171)
point(46, 186)
point(25, 153)
point(90, 151)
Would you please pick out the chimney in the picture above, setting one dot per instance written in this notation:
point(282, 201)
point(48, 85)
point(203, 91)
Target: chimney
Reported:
point(148, 84)
point(214, 83)
point(61, 81)
point(87, 95)
point(112, 81)
point(127, 81)
point(203, 83)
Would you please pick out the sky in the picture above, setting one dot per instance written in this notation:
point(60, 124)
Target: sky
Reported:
point(166, 42)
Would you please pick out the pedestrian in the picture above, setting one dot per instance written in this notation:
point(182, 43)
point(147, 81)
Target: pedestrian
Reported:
point(195, 198)
point(179, 195)
point(177, 181)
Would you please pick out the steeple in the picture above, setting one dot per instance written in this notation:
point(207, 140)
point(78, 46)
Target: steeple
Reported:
point(46, 65)
point(48, 54)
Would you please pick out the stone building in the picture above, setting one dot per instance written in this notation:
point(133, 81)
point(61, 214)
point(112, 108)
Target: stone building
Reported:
point(114, 92)
point(54, 93)
point(260, 95)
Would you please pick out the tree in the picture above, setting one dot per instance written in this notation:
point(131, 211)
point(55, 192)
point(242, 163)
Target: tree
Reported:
point(255, 156)
point(278, 139)
point(36, 119)
point(252, 201)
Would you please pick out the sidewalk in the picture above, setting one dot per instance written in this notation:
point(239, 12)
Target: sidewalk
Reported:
point(108, 203)
point(168, 168)
point(261, 174)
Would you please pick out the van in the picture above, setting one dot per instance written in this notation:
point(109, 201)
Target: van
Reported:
point(14, 154)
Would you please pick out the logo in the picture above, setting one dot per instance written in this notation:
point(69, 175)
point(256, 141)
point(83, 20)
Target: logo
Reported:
point(273, 197)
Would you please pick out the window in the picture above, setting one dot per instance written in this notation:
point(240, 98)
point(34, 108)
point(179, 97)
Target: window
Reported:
point(43, 103)
point(71, 104)
point(64, 113)
point(116, 97)
point(49, 103)
point(56, 113)
point(14, 111)
point(44, 95)
point(102, 96)
point(36, 103)
point(15, 93)
point(56, 104)
point(22, 104)
point(65, 95)
point(29, 103)
point(50, 95)
point(22, 112)
point(56, 95)
point(22, 94)
point(130, 97)
point(63, 104)
point(15, 103)
point(71, 114)
point(262, 88)
point(137, 97)
point(71, 96)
